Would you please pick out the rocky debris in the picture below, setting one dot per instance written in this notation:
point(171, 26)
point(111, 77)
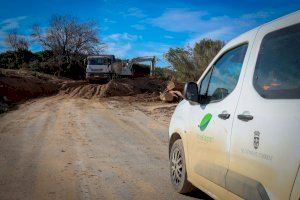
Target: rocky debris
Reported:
point(173, 92)
point(175, 85)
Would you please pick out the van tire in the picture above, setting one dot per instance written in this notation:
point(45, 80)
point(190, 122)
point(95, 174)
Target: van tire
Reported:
point(180, 183)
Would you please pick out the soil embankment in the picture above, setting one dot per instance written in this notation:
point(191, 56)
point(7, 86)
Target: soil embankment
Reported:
point(19, 85)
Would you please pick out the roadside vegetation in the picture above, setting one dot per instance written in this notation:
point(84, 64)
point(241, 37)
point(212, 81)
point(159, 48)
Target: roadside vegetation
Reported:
point(187, 63)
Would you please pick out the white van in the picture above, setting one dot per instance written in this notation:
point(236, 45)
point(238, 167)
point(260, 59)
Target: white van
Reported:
point(237, 133)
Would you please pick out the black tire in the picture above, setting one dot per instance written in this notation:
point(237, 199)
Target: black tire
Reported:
point(178, 171)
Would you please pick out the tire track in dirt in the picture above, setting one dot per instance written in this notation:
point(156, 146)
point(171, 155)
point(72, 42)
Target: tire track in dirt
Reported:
point(72, 148)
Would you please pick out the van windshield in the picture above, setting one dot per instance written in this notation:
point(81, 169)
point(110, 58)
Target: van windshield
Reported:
point(99, 61)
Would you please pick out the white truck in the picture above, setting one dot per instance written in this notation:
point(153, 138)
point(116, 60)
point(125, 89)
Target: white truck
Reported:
point(105, 67)
point(237, 133)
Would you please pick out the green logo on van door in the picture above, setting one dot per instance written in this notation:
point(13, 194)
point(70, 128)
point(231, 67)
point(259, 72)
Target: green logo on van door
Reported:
point(204, 122)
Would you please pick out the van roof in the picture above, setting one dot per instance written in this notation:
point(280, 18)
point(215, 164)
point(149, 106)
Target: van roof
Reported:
point(284, 17)
point(292, 15)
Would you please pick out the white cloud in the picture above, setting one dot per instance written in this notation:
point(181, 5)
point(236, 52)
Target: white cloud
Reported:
point(115, 36)
point(11, 23)
point(107, 20)
point(258, 15)
point(119, 50)
point(153, 49)
point(179, 20)
point(120, 44)
point(183, 20)
point(200, 24)
point(135, 12)
point(7, 25)
point(123, 36)
point(138, 26)
point(197, 23)
point(224, 32)
point(168, 37)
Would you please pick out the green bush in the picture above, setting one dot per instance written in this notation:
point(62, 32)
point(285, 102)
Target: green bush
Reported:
point(15, 59)
point(45, 62)
point(189, 63)
point(166, 73)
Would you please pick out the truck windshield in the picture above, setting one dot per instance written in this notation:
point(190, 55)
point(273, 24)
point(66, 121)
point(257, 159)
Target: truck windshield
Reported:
point(99, 61)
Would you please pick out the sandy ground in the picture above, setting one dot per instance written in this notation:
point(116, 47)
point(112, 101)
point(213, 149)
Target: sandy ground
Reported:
point(66, 148)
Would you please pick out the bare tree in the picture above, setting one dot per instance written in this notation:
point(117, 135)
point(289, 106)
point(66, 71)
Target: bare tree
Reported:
point(68, 38)
point(16, 42)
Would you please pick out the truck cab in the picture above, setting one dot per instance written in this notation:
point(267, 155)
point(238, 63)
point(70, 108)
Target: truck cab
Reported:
point(99, 67)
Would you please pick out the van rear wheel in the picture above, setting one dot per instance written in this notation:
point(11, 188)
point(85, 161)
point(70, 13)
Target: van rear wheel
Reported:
point(178, 169)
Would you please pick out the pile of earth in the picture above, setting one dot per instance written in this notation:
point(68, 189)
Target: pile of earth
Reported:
point(116, 87)
point(19, 85)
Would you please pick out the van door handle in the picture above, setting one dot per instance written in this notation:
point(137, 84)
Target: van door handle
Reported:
point(224, 115)
point(245, 117)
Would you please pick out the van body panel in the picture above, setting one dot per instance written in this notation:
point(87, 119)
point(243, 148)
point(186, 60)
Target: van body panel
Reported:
point(295, 195)
point(274, 128)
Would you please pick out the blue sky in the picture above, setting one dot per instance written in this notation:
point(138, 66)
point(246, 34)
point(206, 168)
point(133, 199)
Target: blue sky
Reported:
point(137, 28)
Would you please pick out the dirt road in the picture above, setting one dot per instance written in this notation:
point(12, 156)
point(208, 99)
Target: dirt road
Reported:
point(62, 148)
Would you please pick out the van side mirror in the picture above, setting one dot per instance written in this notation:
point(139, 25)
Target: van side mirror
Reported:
point(190, 92)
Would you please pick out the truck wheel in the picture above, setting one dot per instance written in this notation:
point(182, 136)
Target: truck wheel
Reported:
point(178, 169)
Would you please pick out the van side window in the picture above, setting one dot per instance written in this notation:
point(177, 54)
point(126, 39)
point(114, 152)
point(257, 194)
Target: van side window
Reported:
point(222, 78)
point(277, 71)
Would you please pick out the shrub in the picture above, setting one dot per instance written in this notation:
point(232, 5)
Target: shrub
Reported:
point(189, 63)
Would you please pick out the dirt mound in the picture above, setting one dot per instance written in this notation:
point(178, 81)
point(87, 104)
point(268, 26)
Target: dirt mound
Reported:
point(129, 87)
point(80, 89)
point(119, 87)
point(116, 87)
point(19, 85)
point(85, 91)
